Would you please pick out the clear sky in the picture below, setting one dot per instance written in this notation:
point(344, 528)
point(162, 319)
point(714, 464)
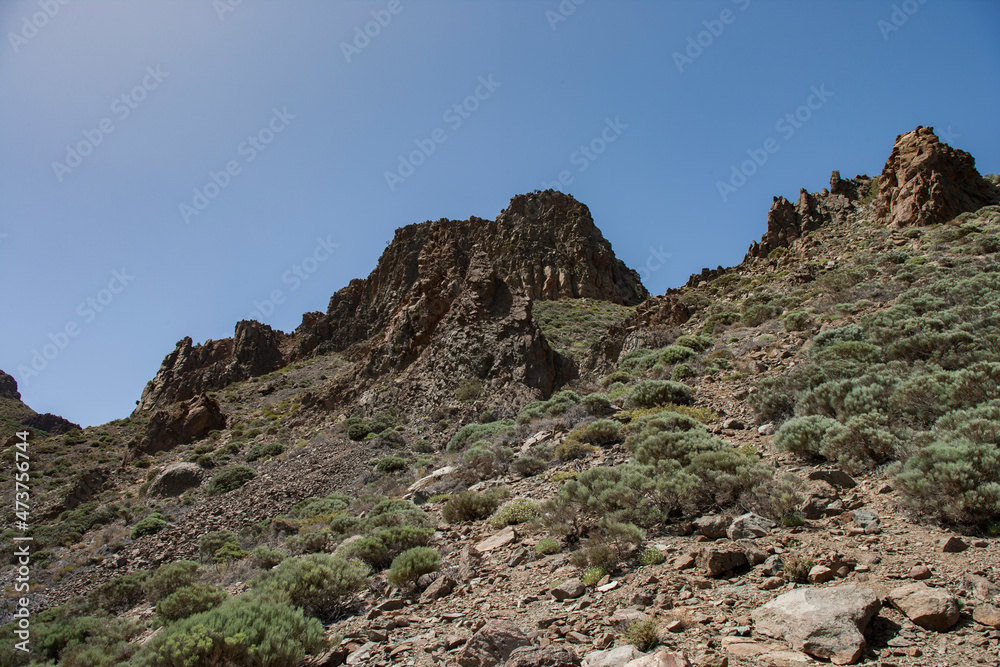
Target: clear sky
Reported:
point(168, 167)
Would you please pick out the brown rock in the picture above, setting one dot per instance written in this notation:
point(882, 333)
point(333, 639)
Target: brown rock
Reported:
point(952, 545)
point(506, 536)
point(820, 574)
point(717, 561)
point(175, 479)
point(535, 656)
point(926, 181)
point(182, 424)
point(920, 572)
point(492, 644)
point(930, 608)
point(988, 615)
point(662, 658)
point(569, 590)
point(980, 587)
point(441, 587)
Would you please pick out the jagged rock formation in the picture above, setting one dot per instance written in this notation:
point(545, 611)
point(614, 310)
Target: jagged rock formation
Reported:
point(190, 369)
point(926, 181)
point(17, 415)
point(787, 222)
point(449, 299)
point(181, 424)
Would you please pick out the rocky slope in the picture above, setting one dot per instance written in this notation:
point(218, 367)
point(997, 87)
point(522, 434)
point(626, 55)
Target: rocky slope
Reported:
point(746, 543)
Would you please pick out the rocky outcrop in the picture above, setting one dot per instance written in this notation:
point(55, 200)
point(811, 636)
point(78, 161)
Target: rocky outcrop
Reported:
point(925, 181)
point(8, 387)
point(183, 423)
point(20, 416)
point(175, 479)
point(51, 423)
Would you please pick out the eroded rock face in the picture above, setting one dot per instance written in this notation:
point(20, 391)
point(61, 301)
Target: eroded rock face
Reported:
point(926, 181)
point(51, 423)
point(255, 349)
point(183, 423)
point(826, 623)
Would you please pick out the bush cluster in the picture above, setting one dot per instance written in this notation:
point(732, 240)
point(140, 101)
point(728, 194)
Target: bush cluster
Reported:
point(408, 566)
point(650, 393)
point(471, 506)
point(151, 525)
point(265, 450)
point(230, 479)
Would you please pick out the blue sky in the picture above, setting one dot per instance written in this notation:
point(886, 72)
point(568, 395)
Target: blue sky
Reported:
point(275, 124)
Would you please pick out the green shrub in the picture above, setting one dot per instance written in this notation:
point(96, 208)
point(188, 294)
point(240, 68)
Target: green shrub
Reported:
point(650, 393)
point(171, 577)
point(319, 583)
point(865, 442)
point(468, 390)
point(230, 479)
point(547, 547)
point(518, 510)
point(265, 557)
point(698, 343)
point(617, 376)
point(642, 634)
point(797, 569)
point(528, 466)
point(485, 458)
point(408, 566)
point(571, 449)
point(120, 593)
point(213, 541)
point(378, 550)
point(805, 435)
point(797, 320)
point(265, 450)
point(391, 464)
point(685, 371)
point(151, 525)
point(470, 506)
point(246, 630)
point(652, 557)
point(476, 432)
point(597, 404)
point(316, 506)
point(600, 432)
point(229, 552)
point(592, 575)
point(556, 405)
point(190, 600)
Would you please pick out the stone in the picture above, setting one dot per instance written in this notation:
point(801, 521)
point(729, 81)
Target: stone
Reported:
point(614, 657)
point(712, 526)
point(988, 615)
point(919, 572)
point(361, 655)
point(733, 424)
point(952, 545)
point(182, 424)
point(569, 590)
point(426, 481)
point(980, 587)
point(717, 561)
point(825, 622)
point(789, 659)
point(506, 536)
point(820, 574)
point(930, 608)
point(492, 644)
point(536, 656)
point(773, 565)
point(175, 479)
point(441, 587)
point(771, 583)
point(468, 563)
point(925, 181)
point(766, 429)
point(836, 478)
point(749, 526)
point(662, 658)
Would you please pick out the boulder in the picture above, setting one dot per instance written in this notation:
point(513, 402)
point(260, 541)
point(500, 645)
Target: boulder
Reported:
point(182, 424)
point(662, 658)
point(712, 526)
point(536, 656)
point(824, 622)
point(441, 587)
point(717, 561)
point(988, 615)
point(930, 608)
point(492, 645)
point(613, 657)
point(952, 545)
point(177, 478)
point(569, 590)
point(506, 536)
point(981, 588)
point(749, 526)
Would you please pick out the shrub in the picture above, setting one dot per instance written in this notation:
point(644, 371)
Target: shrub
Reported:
point(230, 479)
point(528, 466)
point(597, 404)
point(485, 458)
point(265, 557)
point(316, 506)
point(378, 550)
point(864, 442)
point(318, 582)
point(518, 510)
point(151, 525)
point(797, 320)
point(652, 557)
point(190, 600)
point(476, 432)
point(408, 566)
point(571, 449)
point(617, 376)
point(246, 630)
point(642, 634)
point(684, 371)
point(650, 393)
point(468, 390)
point(805, 435)
point(600, 432)
point(470, 506)
point(697, 343)
point(391, 464)
point(797, 569)
point(171, 577)
point(554, 406)
point(229, 552)
point(265, 450)
point(592, 575)
point(120, 593)
point(547, 547)
point(213, 541)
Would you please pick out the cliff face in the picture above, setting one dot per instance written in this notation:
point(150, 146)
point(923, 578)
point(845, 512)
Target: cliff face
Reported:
point(451, 296)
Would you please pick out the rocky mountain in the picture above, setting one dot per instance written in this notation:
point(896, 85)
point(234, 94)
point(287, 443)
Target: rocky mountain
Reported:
point(15, 415)
point(786, 462)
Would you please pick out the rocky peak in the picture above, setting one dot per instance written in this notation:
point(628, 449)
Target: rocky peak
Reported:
point(8, 387)
point(926, 181)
